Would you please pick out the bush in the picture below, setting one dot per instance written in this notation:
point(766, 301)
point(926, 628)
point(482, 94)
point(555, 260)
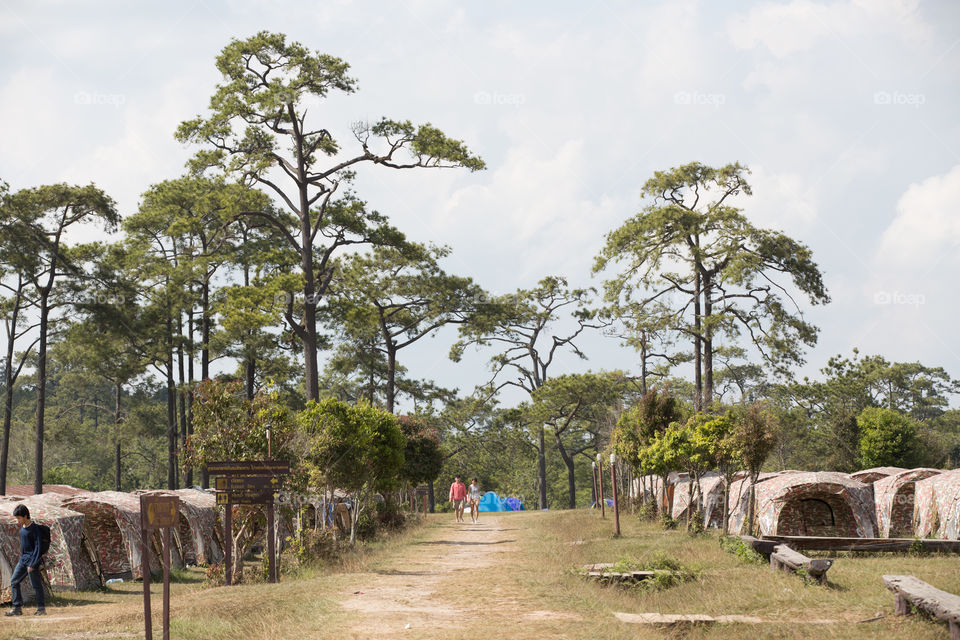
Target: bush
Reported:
point(736, 546)
point(366, 526)
point(389, 515)
point(667, 522)
point(214, 575)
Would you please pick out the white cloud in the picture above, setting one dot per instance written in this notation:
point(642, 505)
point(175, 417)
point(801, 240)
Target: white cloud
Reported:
point(927, 226)
point(787, 29)
point(783, 201)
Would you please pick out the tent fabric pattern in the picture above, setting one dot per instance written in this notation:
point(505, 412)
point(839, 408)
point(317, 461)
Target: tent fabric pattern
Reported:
point(739, 499)
point(200, 509)
point(895, 499)
point(820, 504)
point(937, 506)
point(681, 493)
point(113, 524)
point(869, 476)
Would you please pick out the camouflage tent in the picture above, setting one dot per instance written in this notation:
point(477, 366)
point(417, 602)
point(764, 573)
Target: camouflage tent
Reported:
point(25, 490)
point(739, 500)
point(869, 476)
point(199, 512)
point(894, 497)
point(713, 501)
point(68, 565)
point(937, 506)
point(681, 492)
point(112, 523)
point(815, 504)
point(649, 487)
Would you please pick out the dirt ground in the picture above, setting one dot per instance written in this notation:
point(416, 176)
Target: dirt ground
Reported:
point(431, 590)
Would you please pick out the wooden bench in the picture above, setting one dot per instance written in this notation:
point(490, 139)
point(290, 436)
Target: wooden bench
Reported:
point(786, 559)
point(926, 598)
point(763, 547)
point(602, 571)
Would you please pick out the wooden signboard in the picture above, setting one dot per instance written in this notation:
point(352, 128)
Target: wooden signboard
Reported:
point(157, 512)
point(247, 482)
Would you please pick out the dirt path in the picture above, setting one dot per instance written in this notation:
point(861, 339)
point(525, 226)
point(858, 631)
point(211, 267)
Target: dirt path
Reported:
point(428, 587)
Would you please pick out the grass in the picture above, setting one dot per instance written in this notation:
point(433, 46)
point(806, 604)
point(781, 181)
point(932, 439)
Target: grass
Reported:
point(528, 589)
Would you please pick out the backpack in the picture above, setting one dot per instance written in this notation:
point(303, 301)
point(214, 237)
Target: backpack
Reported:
point(43, 531)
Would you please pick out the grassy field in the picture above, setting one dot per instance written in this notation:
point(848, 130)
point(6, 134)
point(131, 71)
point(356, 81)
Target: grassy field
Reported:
point(514, 577)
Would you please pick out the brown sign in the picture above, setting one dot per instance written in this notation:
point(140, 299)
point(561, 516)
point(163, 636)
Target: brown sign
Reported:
point(247, 484)
point(248, 467)
point(157, 512)
point(229, 497)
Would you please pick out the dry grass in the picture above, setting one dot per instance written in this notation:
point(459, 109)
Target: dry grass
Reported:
point(513, 577)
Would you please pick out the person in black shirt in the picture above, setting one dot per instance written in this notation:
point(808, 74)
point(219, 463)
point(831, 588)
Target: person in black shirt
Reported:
point(29, 564)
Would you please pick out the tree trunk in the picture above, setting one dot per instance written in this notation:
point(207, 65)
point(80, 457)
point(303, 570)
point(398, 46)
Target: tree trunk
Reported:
point(311, 375)
point(750, 504)
point(430, 496)
point(181, 393)
point(726, 506)
point(689, 498)
point(697, 361)
point(643, 365)
point(391, 375)
point(42, 384)
point(571, 478)
point(542, 469)
point(118, 420)
point(171, 413)
point(707, 343)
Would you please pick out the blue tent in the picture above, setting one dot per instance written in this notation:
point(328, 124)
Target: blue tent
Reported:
point(492, 502)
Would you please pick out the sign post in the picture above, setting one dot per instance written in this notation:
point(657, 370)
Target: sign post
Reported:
point(157, 512)
point(613, 488)
point(248, 482)
point(603, 505)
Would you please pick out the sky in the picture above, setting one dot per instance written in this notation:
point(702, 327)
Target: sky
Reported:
point(844, 111)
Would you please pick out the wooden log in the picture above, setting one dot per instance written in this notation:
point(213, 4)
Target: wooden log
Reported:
point(939, 604)
point(824, 543)
point(785, 558)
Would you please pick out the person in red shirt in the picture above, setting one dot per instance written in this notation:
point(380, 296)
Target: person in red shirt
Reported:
point(458, 495)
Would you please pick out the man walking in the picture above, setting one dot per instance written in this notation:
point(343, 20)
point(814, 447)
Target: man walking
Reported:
point(458, 494)
point(29, 565)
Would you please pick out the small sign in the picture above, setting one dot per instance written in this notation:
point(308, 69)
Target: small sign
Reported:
point(157, 512)
point(248, 467)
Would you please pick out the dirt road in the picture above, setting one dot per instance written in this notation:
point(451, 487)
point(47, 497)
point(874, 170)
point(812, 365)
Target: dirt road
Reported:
point(442, 583)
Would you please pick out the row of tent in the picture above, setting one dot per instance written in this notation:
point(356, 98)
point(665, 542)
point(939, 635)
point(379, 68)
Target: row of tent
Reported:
point(95, 536)
point(886, 502)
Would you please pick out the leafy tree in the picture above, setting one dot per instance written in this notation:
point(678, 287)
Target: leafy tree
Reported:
point(18, 259)
point(400, 296)
point(44, 215)
point(422, 456)
point(717, 435)
point(257, 129)
point(888, 438)
point(228, 426)
point(520, 326)
point(754, 438)
point(576, 406)
point(357, 448)
point(690, 242)
point(639, 426)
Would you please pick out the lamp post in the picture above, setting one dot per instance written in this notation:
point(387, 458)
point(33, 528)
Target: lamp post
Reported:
point(596, 496)
point(613, 482)
point(603, 510)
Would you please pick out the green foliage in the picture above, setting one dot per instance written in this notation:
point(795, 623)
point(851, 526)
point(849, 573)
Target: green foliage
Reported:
point(736, 546)
point(887, 438)
point(422, 456)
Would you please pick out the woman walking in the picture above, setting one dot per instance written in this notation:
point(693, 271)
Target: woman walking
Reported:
point(473, 496)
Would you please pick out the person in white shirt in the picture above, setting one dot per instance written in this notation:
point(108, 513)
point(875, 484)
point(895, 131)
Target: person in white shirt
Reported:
point(473, 497)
